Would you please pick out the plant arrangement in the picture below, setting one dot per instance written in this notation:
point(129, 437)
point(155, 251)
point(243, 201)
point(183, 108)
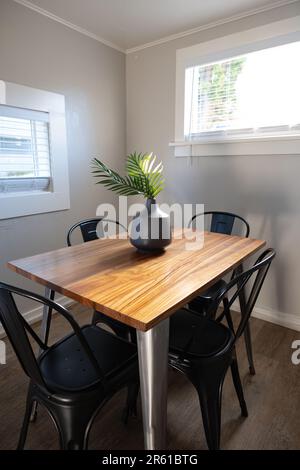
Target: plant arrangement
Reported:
point(144, 176)
point(150, 229)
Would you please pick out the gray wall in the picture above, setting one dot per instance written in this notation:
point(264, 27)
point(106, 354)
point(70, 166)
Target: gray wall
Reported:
point(264, 189)
point(41, 53)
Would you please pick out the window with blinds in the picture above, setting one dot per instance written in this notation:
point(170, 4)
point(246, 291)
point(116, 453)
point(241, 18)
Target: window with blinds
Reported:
point(24, 150)
point(256, 94)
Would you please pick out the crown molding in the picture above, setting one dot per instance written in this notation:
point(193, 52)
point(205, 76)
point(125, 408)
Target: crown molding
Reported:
point(70, 25)
point(214, 24)
point(172, 37)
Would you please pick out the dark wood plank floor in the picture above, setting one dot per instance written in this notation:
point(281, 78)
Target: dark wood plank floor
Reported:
point(272, 397)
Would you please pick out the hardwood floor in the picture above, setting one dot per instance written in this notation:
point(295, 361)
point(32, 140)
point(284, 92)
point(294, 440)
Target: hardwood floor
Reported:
point(272, 397)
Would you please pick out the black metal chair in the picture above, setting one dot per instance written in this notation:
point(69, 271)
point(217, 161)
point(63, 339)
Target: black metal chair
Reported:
point(89, 232)
point(224, 222)
point(88, 229)
point(72, 378)
point(203, 348)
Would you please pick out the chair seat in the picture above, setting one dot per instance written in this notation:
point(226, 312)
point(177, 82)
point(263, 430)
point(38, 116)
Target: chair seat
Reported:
point(197, 336)
point(66, 367)
point(201, 302)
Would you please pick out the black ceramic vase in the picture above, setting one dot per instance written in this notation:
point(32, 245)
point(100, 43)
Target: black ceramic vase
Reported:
point(151, 229)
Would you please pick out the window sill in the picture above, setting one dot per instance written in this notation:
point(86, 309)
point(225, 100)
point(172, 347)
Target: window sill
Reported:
point(31, 203)
point(265, 145)
point(8, 194)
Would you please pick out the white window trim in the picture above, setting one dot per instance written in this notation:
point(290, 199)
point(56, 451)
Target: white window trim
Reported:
point(29, 203)
point(273, 34)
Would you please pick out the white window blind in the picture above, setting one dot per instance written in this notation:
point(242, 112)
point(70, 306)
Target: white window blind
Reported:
point(24, 150)
point(250, 95)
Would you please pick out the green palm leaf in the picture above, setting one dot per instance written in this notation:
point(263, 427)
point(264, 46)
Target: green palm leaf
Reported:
point(112, 180)
point(141, 166)
point(142, 177)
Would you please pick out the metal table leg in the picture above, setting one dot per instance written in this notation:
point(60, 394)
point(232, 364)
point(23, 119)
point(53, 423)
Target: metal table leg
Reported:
point(153, 346)
point(44, 334)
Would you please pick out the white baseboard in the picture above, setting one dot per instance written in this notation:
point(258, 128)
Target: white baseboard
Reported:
point(35, 315)
point(287, 320)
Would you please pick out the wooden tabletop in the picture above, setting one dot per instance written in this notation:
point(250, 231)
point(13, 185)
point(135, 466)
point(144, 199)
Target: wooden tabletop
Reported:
point(137, 289)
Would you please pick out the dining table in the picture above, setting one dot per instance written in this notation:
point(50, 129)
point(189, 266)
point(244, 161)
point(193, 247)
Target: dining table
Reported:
point(141, 290)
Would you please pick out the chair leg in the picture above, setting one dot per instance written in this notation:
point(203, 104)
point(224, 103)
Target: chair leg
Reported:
point(34, 409)
point(73, 428)
point(248, 343)
point(71, 441)
point(238, 387)
point(25, 424)
point(210, 403)
point(131, 402)
point(209, 388)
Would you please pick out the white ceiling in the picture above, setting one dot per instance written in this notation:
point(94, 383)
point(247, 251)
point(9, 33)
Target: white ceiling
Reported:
point(131, 23)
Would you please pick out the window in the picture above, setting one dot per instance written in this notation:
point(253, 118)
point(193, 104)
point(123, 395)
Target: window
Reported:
point(239, 94)
point(33, 151)
point(253, 94)
point(24, 150)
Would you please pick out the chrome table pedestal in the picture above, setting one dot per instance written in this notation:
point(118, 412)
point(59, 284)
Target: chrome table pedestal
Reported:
point(153, 347)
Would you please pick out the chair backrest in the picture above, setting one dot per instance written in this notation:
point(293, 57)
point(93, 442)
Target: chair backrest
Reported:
point(13, 324)
point(256, 274)
point(223, 222)
point(19, 331)
point(88, 229)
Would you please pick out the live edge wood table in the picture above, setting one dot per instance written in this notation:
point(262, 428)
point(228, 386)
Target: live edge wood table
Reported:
point(141, 291)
